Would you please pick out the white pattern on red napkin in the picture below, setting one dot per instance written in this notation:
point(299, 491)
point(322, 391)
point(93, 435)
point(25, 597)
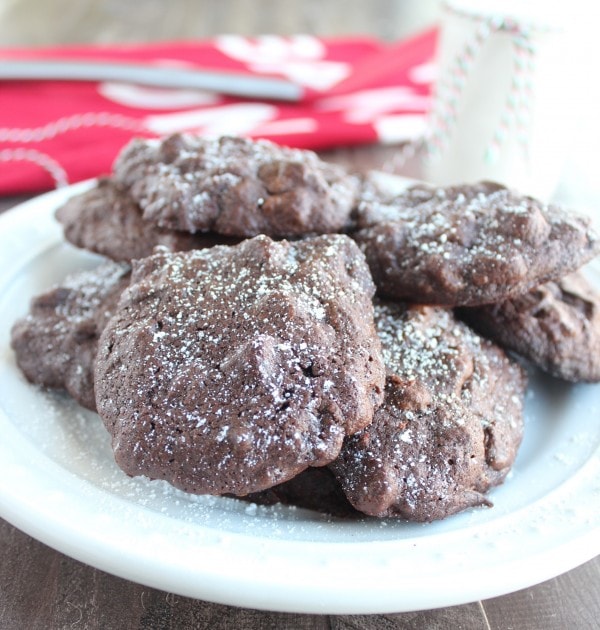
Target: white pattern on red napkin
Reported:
point(356, 91)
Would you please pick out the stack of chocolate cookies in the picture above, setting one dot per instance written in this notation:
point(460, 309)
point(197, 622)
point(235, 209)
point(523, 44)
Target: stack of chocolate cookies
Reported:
point(274, 328)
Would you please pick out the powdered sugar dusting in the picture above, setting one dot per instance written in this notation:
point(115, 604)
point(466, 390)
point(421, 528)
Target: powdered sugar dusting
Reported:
point(236, 186)
point(55, 343)
point(254, 354)
point(469, 244)
point(450, 423)
point(88, 290)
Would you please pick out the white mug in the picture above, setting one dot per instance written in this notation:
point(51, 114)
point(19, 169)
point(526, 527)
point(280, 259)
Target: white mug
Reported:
point(504, 107)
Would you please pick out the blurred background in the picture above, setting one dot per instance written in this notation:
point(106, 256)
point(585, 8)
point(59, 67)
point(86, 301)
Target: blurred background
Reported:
point(37, 23)
point(42, 23)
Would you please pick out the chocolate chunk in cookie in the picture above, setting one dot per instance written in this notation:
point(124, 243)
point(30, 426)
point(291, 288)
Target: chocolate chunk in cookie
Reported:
point(106, 220)
point(556, 326)
point(469, 245)
point(449, 426)
point(232, 369)
point(56, 343)
point(236, 186)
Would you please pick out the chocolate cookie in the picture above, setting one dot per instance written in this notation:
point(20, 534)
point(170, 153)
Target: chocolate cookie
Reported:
point(449, 426)
point(313, 489)
point(556, 326)
point(56, 343)
point(232, 369)
point(106, 220)
point(469, 245)
point(235, 186)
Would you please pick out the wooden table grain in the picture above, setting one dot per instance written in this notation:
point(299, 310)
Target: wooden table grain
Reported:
point(43, 589)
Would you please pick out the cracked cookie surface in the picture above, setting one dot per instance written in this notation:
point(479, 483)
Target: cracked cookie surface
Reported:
point(556, 326)
point(450, 424)
point(106, 220)
point(233, 369)
point(236, 187)
point(56, 342)
point(469, 245)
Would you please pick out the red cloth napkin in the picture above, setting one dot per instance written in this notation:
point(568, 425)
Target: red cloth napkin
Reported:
point(356, 91)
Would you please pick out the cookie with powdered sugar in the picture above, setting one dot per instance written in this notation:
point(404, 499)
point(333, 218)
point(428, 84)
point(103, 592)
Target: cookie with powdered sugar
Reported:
point(450, 424)
point(232, 369)
point(469, 245)
point(556, 326)
point(106, 220)
point(235, 186)
point(56, 342)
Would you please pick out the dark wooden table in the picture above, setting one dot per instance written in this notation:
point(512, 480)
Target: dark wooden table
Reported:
point(43, 589)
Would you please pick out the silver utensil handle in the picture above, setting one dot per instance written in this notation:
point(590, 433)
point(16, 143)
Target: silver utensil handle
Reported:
point(222, 82)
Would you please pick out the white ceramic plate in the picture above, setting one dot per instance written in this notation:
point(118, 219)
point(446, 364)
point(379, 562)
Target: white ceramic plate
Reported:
point(58, 482)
